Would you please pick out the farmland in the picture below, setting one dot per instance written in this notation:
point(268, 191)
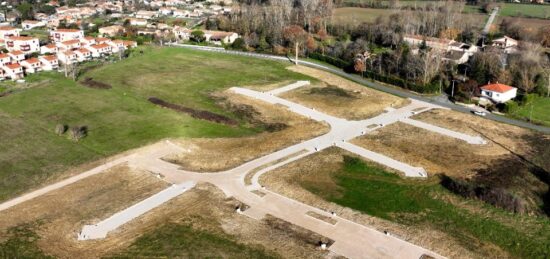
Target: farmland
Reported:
point(120, 118)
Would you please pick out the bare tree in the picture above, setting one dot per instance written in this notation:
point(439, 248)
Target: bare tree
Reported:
point(297, 36)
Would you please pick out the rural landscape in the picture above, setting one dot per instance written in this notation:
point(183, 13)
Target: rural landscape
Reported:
point(275, 129)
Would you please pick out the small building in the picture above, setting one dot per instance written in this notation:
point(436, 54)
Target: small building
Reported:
point(8, 31)
point(49, 62)
point(219, 37)
point(111, 31)
point(83, 54)
point(25, 44)
point(498, 93)
point(507, 44)
point(4, 59)
point(60, 35)
point(14, 71)
point(16, 56)
point(67, 57)
point(142, 14)
point(102, 49)
point(31, 24)
point(68, 44)
point(48, 49)
point(137, 22)
point(31, 65)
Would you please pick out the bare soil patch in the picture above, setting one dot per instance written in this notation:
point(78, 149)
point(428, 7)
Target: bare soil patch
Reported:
point(91, 83)
point(197, 114)
point(211, 155)
point(318, 168)
point(340, 97)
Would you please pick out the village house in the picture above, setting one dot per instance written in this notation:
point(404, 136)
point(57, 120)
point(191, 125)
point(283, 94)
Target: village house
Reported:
point(8, 31)
point(166, 10)
point(99, 50)
point(49, 62)
point(148, 15)
point(60, 35)
point(25, 44)
point(16, 56)
point(14, 71)
point(182, 33)
point(118, 45)
point(4, 59)
point(507, 44)
point(68, 45)
point(83, 54)
point(67, 57)
point(30, 24)
point(2, 74)
point(219, 37)
point(137, 22)
point(431, 42)
point(31, 65)
point(181, 13)
point(48, 49)
point(498, 93)
point(88, 40)
point(111, 31)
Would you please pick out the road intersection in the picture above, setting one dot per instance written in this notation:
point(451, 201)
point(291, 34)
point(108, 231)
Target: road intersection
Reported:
point(351, 240)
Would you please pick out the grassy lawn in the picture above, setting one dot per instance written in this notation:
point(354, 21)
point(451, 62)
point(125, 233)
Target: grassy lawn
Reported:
point(120, 118)
point(539, 109)
point(367, 188)
point(526, 10)
point(176, 240)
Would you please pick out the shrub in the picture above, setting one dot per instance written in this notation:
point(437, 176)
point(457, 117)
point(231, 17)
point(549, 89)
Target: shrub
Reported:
point(239, 44)
point(60, 129)
point(77, 133)
point(511, 106)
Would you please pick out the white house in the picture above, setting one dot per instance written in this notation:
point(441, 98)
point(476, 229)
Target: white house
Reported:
point(181, 13)
point(137, 22)
point(100, 49)
point(165, 10)
point(8, 31)
point(509, 45)
point(182, 33)
point(25, 44)
point(142, 14)
point(50, 48)
point(31, 65)
point(4, 59)
point(16, 56)
point(111, 31)
point(30, 24)
point(67, 57)
point(60, 35)
point(219, 37)
point(14, 71)
point(68, 45)
point(83, 54)
point(49, 62)
point(498, 93)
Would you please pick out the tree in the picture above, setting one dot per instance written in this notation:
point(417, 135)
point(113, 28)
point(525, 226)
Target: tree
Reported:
point(297, 36)
point(197, 36)
point(359, 64)
point(544, 35)
point(25, 9)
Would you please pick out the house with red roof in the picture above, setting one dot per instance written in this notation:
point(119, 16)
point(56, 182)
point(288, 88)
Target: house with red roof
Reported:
point(60, 35)
point(14, 71)
point(8, 31)
point(99, 50)
point(49, 62)
point(16, 56)
point(31, 65)
point(83, 54)
point(25, 44)
point(48, 49)
point(4, 59)
point(498, 93)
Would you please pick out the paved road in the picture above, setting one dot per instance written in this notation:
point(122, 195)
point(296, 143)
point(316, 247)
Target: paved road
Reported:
point(490, 21)
point(351, 240)
point(395, 91)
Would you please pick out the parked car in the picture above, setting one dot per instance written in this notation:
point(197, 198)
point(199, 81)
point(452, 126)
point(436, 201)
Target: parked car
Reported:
point(479, 113)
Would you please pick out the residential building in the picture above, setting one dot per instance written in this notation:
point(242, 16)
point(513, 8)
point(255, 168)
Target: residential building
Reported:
point(148, 15)
point(111, 31)
point(30, 24)
point(83, 54)
point(48, 49)
point(68, 44)
point(67, 57)
point(101, 49)
point(14, 71)
point(434, 43)
point(49, 62)
point(60, 35)
point(8, 31)
point(88, 40)
point(137, 22)
point(182, 33)
point(498, 93)
point(31, 65)
point(25, 44)
point(4, 59)
point(16, 56)
point(507, 44)
point(219, 37)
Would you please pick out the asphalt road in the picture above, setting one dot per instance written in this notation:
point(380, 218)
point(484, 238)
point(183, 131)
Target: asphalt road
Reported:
point(438, 100)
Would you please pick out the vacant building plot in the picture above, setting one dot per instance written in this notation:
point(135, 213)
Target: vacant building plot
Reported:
point(336, 96)
point(420, 211)
point(283, 128)
point(199, 223)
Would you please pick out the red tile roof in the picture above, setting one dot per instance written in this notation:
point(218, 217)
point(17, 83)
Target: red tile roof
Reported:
point(32, 60)
point(100, 46)
point(83, 50)
point(499, 88)
point(13, 66)
point(21, 38)
point(70, 42)
point(50, 58)
point(16, 52)
point(4, 55)
point(6, 28)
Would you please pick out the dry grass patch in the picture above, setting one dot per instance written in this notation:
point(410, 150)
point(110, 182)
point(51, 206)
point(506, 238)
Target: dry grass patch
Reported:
point(211, 155)
point(430, 150)
point(340, 97)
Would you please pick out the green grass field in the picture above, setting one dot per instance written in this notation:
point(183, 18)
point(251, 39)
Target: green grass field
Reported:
point(120, 118)
point(369, 189)
point(538, 110)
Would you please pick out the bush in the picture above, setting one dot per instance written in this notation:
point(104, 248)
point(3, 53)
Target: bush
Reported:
point(511, 106)
point(60, 129)
point(77, 133)
point(331, 60)
point(239, 44)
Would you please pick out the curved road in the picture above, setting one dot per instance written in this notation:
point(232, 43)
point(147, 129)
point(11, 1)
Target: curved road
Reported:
point(395, 91)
